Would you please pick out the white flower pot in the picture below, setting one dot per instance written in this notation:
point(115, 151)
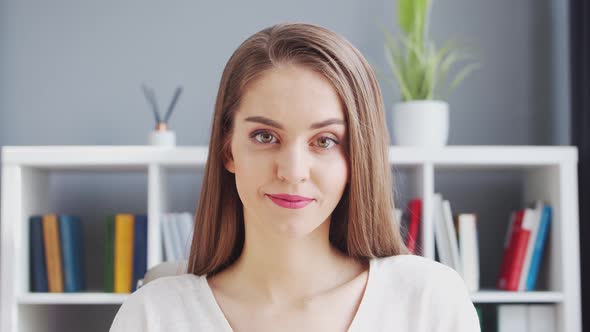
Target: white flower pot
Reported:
point(423, 123)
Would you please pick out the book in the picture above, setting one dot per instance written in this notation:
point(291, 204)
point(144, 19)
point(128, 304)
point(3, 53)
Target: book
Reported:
point(52, 253)
point(535, 221)
point(169, 252)
point(441, 234)
point(526, 318)
point(519, 248)
point(540, 241)
point(512, 318)
point(414, 216)
point(451, 236)
point(123, 252)
point(38, 269)
point(140, 229)
point(469, 249)
point(506, 256)
point(177, 243)
point(513, 227)
point(109, 260)
point(541, 318)
point(187, 231)
point(72, 252)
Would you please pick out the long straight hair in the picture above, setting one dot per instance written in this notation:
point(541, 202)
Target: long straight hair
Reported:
point(363, 222)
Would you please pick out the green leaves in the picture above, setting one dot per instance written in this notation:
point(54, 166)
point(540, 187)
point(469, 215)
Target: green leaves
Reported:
point(416, 64)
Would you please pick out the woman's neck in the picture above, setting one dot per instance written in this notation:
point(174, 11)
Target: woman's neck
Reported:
point(275, 270)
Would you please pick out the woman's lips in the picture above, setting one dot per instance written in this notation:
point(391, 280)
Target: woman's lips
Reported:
point(293, 201)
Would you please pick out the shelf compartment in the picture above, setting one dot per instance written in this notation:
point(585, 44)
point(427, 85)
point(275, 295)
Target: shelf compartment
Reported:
point(495, 296)
point(72, 298)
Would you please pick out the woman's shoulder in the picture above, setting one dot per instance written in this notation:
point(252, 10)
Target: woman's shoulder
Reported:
point(416, 271)
point(171, 283)
point(437, 289)
point(162, 302)
point(411, 263)
point(165, 291)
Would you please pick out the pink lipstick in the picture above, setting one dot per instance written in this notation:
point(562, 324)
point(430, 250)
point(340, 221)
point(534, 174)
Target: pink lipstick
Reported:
point(290, 201)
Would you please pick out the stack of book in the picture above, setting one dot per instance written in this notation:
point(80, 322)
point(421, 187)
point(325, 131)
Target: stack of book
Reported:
point(177, 229)
point(456, 237)
point(523, 247)
point(457, 241)
point(126, 252)
point(56, 253)
point(526, 318)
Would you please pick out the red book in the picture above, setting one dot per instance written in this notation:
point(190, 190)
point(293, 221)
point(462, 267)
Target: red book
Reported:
point(415, 207)
point(521, 241)
point(513, 229)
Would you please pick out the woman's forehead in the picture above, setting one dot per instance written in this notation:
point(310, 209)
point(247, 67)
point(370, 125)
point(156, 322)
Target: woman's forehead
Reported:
point(292, 94)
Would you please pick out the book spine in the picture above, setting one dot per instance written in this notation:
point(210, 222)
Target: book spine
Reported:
point(535, 221)
point(37, 258)
point(79, 254)
point(469, 250)
point(67, 252)
point(52, 253)
point(415, 207)
point(520, 248)
point(109, 272)
point(512, 318)
point(513, 228)
point(542, 318)
point(123, 252)
point(539, 245)
point(139, 249)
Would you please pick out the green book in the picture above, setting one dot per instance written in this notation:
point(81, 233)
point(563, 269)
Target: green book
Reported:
point(479, 316)
point(109, 273)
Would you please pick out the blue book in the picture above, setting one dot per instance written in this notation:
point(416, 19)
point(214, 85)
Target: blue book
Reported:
point(72, 251)
point(139, 249)
point(38, 269)
point(538, 249)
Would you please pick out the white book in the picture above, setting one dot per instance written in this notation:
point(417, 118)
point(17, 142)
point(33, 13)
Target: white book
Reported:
point(452, 236)
point(526, 266)
point(167, 238)
point(512, 318)
point(176, 237)
point(440, 233)
point(469, 249)
point(541, 318)
point(529, 220)
point(187, 234)
point(398, 217)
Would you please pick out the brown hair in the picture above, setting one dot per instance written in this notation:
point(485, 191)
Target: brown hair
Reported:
point(362, 222)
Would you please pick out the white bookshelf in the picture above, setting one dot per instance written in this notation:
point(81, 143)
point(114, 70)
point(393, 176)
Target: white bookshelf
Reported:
point(550, 174)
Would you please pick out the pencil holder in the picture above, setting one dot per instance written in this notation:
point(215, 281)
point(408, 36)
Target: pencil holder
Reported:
point(162, 137)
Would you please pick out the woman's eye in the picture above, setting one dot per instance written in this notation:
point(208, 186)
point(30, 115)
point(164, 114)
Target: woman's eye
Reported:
point(326, 142)
point(264, 137)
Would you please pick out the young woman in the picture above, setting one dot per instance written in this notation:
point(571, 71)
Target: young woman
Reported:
point(294, 229)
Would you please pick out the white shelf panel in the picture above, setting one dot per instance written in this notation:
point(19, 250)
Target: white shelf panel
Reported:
point(104, 157)
point(139, 156)
point(72, 298)
point(483, 156)
point(492, 296)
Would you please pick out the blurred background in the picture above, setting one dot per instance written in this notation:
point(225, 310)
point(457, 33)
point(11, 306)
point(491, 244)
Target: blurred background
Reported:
point(70, 74)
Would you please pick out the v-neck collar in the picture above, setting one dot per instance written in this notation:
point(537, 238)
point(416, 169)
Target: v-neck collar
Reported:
point(361, 312)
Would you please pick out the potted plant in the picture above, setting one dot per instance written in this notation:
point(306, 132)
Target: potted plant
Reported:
point(421, 71)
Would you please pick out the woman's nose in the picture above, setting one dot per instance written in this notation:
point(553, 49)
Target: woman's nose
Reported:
point(293, 164)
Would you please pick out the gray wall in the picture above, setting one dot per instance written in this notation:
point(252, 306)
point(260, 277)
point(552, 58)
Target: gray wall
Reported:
point(70, 73)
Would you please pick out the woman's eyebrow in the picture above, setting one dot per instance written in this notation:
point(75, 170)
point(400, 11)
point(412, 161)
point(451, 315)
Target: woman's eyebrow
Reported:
point(273, 123)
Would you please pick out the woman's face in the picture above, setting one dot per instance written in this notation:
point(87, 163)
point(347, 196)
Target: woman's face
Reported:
point(289, 139)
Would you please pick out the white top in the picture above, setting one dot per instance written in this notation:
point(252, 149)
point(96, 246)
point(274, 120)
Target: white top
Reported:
point(403, 293)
